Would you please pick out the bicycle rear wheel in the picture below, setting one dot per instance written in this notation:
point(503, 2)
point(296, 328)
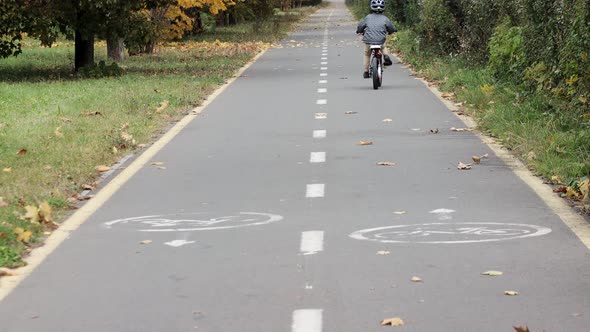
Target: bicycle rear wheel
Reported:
point(376, 71)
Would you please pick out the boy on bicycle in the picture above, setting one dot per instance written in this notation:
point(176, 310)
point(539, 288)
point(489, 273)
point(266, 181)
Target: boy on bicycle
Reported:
point(375, 27)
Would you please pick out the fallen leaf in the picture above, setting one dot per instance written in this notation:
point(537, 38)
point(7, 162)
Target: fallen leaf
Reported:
point(556, 180)
point(102, 168)
point(126, 137)
point(141, 146)
point(145, 242)
point(91, 113)
point(3, 203)
point(387, 120)
point(386, 163)
point(161, 167)
point(476, 159)
point(392, 322)
point(58, 132)
point(460, 129)
point(114, 150)
point(364, 143)
point(47, 167)
point(350, 112)
point(163, 106)
point(463, 166)
point(416, 279)
point(383, 252)
point(156, 163)
point(448, 95)
point(5, 274)
point(22, 235)
point(510, 293)
point(434, 131)
point(492, 273)
point(585, 188)
point(399, 212)
point(521, 328)
point(32, 213)
point(89, 187)
point(21, 152)
point(571, 193)
point(7, 170)
point(531, 155)
point(66, 120)
point(45, 212)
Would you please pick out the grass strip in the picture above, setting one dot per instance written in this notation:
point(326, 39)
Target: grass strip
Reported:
point(56, 128)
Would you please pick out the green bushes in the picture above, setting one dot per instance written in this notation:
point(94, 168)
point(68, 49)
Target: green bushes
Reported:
point(507, 59)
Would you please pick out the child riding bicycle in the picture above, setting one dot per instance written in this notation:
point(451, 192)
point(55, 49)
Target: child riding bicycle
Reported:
point(375, 27)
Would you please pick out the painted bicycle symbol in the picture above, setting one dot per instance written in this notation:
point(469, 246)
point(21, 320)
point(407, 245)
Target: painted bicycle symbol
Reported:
point(183, 222)
point(450, 233)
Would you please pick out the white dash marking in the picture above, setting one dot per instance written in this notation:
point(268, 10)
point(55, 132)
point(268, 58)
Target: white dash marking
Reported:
point(323, 74)
point(321, 116)
point(317, 157)
point(315, 190)
point(322, 101)
point(307, 320)
point(312, 242)
point(322, 90)
point(324, 63)
point(324, 58)
point(319, 133)
point(323, 68)
point(323, 81)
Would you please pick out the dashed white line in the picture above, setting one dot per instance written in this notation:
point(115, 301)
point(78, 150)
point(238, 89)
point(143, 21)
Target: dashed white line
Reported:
point(321, 116)
point(323, 74)
point(324, 58)
point(324, 63)
point(317, 157)
point(323, 68)
point(323, 81)
point(322, 90)
point(307, 320)
point(315, 190)
point(312, 242)
point(321, 101)
point(319, 133)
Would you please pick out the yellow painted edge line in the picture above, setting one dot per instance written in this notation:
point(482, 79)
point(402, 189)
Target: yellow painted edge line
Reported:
point(9, 283)
point(568, 216)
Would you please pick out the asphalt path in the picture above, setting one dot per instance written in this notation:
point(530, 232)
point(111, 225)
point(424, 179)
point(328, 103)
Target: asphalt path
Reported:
point(268, 216)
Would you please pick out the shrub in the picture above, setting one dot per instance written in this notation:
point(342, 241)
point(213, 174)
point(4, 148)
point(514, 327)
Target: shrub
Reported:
point(506, 51)
point(438, 26)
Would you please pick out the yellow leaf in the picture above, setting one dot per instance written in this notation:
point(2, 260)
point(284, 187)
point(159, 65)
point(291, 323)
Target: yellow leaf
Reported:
point(584, 188)
point(399, 212)
point(510, 293)
point(163, 106)
point(22, 235)
point(416, 279)
point(145, 242)
point(492, 273)
point(102, 168)
point(157, 163)
point(383, 252)
point(585, 116)
point(3, 203)
point(571, 193)
point(476, 159)
point(32, 213)
point(365, 143)
point(58, 132)
point(396, 321)
point(583, 99)
point(45, 212)
point(387, 120)
point(7, 170)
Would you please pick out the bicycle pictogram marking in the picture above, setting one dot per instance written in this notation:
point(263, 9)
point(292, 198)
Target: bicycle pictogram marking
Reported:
point(450, 233)
point(197, 221)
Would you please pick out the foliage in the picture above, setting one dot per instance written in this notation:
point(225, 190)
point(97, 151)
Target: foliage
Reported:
point(507, 59)
point(100, 70)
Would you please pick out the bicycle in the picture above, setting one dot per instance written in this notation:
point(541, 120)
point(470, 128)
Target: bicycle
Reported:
point(376, 66)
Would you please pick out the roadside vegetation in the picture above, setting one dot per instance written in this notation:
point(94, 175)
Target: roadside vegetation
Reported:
point(62, 125)
point(520, 68)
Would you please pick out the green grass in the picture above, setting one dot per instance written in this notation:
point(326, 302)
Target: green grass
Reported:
point(44, 110)
point(538, 128)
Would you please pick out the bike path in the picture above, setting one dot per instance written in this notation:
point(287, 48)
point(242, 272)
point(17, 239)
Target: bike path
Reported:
point(246, 160)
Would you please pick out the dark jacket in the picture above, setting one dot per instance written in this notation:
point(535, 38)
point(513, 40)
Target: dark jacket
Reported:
point(375, 28)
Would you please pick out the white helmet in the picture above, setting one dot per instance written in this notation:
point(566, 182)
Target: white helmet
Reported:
point(378, 6)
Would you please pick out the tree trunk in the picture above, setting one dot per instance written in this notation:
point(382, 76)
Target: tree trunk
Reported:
point(116, 49)
point(149, 47)
point(84, 50)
